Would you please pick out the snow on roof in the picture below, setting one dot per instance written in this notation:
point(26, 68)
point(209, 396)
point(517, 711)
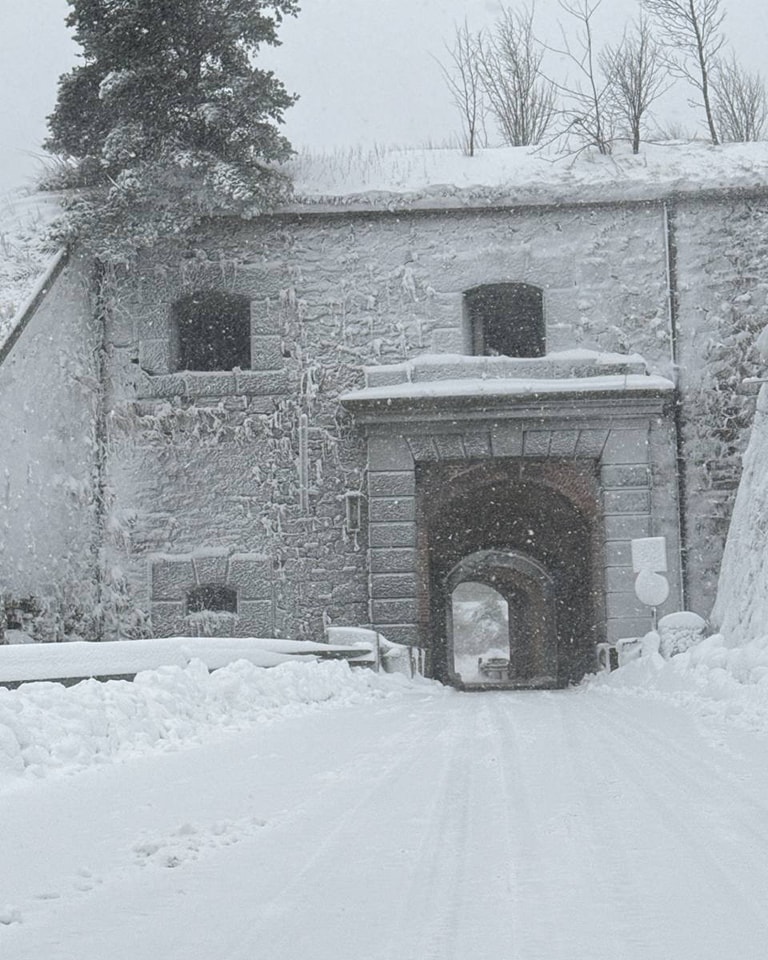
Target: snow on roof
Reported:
point(380, 176)
point(25, 251)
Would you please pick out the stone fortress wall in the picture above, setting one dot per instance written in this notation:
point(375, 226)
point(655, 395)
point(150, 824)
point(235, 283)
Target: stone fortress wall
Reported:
point(259, 479)
point(205, 471)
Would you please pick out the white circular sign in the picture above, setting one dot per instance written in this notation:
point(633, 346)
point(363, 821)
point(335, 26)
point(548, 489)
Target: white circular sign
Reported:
point(651, 588)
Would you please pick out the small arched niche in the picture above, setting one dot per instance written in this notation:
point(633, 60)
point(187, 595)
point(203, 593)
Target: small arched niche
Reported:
point(506, 319)
point(212, 331)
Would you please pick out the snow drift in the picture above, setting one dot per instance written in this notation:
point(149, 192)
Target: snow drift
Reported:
point(46, 727)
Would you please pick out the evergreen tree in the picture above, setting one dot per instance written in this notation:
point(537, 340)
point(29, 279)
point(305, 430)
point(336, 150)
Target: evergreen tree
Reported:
point(167, 118)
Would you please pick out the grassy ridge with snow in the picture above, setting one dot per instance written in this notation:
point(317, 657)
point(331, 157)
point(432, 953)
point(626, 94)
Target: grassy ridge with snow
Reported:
point(25, 250)
point(532, 173)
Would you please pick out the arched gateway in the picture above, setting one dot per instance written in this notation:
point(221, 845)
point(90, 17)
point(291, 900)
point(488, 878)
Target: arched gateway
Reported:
point(528, 530)
point(531, 490)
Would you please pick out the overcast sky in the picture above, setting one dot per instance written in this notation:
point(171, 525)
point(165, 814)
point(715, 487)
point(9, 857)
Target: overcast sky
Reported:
point(365, 69)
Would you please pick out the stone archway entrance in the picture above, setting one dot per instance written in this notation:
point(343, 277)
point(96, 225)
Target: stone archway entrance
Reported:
point(528, 530)
point(468, 454)
point(500, 623)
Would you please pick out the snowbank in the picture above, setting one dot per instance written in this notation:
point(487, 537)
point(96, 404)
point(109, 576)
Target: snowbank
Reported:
point(716, 678)
point(47, 727)
point(527, 173)
point(59, 661)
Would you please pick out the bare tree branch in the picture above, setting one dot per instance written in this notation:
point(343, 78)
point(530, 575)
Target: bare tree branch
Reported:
point(635, 72)
point(521, 99)
point(692, 35)
point(462, 77)
point(588, 110)
point(740, 102)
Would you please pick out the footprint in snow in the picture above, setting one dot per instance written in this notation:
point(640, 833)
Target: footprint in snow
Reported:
point(188, 841)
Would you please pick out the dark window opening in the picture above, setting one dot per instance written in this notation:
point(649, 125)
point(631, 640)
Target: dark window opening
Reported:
point(212, 598)
point(213, 331)
point(507, 319)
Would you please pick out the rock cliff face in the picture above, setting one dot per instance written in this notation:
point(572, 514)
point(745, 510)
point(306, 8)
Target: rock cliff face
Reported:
point(741, 610)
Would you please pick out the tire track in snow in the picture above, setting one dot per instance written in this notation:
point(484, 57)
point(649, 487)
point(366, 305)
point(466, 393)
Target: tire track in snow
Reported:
point(720, 897)
point(700, 775)
point(399, 760)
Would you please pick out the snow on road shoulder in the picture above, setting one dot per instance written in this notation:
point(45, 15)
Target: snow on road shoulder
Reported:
point(716, 678)
point(46, 727)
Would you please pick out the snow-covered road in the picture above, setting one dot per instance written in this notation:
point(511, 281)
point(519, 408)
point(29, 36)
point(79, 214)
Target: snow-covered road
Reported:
point(574, 825)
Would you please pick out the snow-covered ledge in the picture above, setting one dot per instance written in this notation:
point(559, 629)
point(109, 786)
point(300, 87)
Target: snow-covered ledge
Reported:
point(441, 378)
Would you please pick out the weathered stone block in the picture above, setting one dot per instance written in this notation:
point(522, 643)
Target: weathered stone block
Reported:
point(445, 370)
point(624, 476)
point(168, 619)
point(163, 386)
point(392, 560)
point(562, 443)
point(390, 483)
point(618, 553)
point(210, 569)
point(389, 453)
point(477, 443)
point(391, 509)
point(617, 628)
point(448, 340)
point(266, 353)
point(405, 633)
point(389, 586)
point(256, 383)
point(393, 611)
point(626, 501)
point(209, 384)
point(526, 368)
point(171, 579)
point(385, 376)
point(449, 446)
point(349, 591)
point(251, 576)
point(392, 534)
point(422, 448)
point(625, 604)
point(620, 579)
point(626, 447)
point(591, 443)
point(627, 527)
point(254, 619)
point(155, 356)
point(507, 440)
point(536, 443)
point(264, 318)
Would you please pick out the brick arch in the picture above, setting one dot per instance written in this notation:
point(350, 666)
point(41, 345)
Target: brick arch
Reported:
point(547, 511)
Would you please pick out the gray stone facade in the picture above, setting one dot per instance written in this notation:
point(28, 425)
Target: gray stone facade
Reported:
point(313, 462)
